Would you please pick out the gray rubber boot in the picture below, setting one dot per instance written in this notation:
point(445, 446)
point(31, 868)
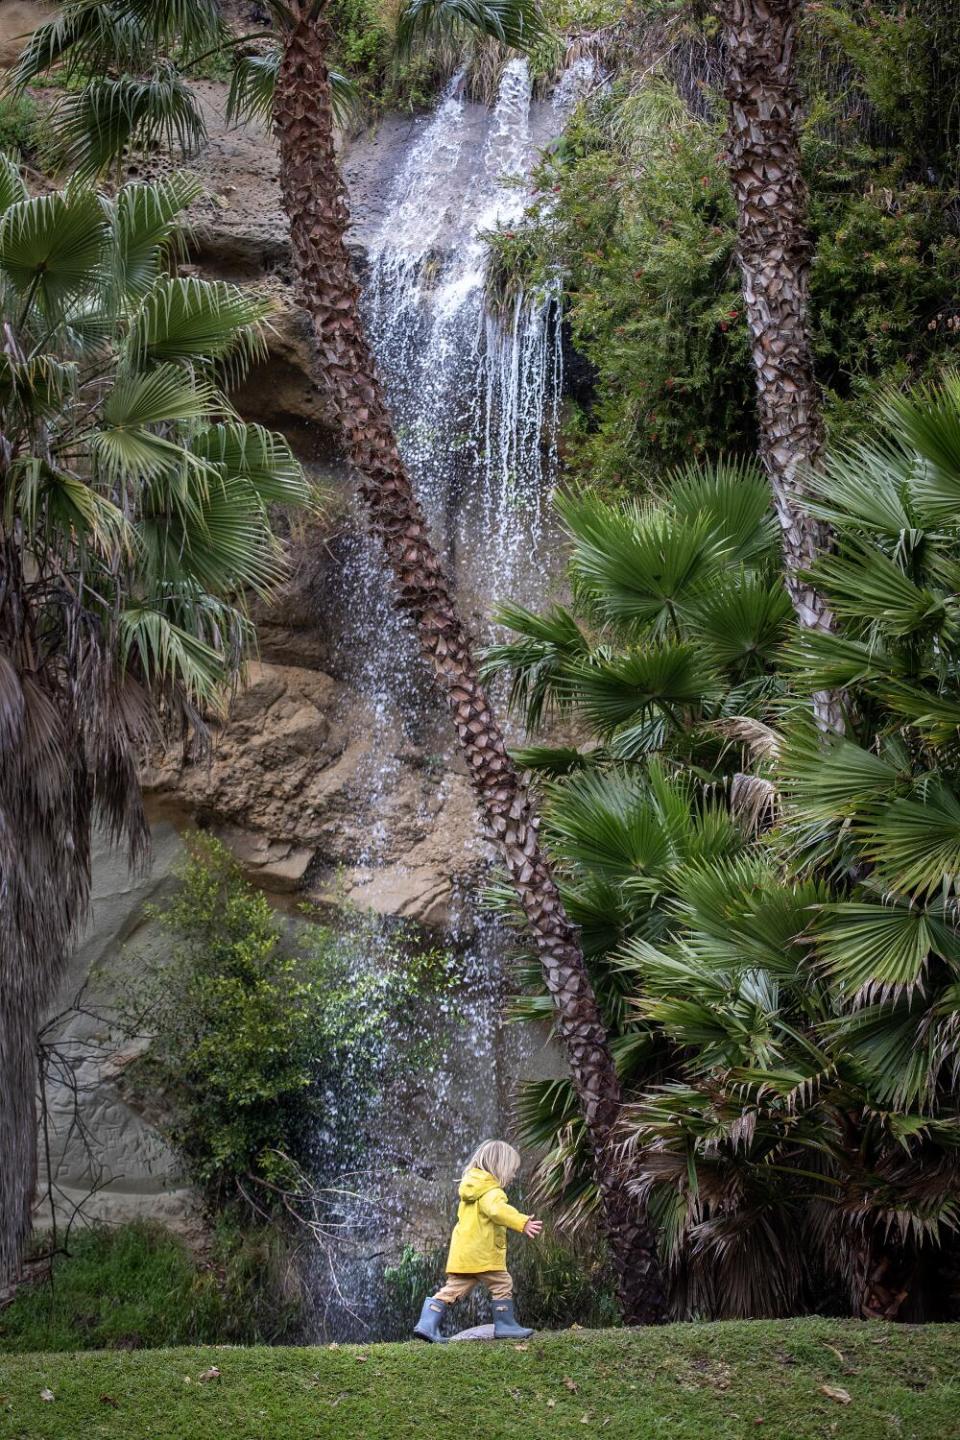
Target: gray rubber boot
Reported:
point(428, 1326)
point(505, 1325)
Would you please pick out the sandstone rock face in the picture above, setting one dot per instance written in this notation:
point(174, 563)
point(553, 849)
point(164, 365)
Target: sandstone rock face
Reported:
point(18, 19)
point(105, 1154)
point(286, 789)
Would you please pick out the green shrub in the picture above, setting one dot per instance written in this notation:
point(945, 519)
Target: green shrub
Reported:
point(634, 211)
point(138, 1286)
point(558, 1283)
point(19, 124)
point(270, 1041)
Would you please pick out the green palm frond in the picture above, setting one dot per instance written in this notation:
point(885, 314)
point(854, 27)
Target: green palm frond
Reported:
point(66, 510)
point(864, 584)
point(826, 660)
point(12, 188)
point(668, 679)
point(191, 320)
point(53, 248)
point(733, 496)
point(637, 565)
point(167, 655)
point(535, 661)
point(864, 486)
point(553, 760)
point(108, 115)
point(261, 457)
point(743, 624)
point(833, 779)
point(875, 951)
point(516, 23)
point(217, 542)
point(927, 423)
point(606, 824)
point(89, 36)
point(145, 227)
point(40, 386)
point(915, 843)
point(126, 444)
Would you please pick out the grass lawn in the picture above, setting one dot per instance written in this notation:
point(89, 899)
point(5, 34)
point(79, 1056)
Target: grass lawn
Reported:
point(791, 1379)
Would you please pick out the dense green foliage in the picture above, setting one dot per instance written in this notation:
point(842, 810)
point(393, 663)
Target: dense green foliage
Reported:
point(557, 1283)
point(271, 1040)
point(636, 221)
point(770, 914)
point(786, 1380)
point(125, 467)
point(138, 1286)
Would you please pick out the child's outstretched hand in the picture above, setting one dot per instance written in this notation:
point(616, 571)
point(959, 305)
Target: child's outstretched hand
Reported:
point(532, 1228)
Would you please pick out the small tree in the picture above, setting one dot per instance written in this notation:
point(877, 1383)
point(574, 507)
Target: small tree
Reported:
point(133, 521)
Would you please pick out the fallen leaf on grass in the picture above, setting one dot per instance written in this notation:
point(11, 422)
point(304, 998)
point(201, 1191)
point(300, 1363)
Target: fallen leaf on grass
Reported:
point(585, 1418)
point(212, 1374)
point(571, 1385)
point(551, 1404)
point(836, 1392)
point(361, 1358)
point(46, 1394)
point(110, 1400)
point(521, 1347)
point(834, 1351)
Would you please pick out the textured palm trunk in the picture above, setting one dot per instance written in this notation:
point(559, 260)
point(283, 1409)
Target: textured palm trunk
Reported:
point(315, 203)
point(18, 1131)
point(883, 1280)
point(763, 160)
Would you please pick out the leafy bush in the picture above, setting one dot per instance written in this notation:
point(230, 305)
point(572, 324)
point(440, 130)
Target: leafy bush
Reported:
point(270, 1043)
point(19, 124)
point(634, 212)
point(558, 1283)
point(776, 949)
point(138, 1286)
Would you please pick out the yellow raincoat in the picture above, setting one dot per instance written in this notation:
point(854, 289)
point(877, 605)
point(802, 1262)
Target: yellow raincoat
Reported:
point(479, 1240)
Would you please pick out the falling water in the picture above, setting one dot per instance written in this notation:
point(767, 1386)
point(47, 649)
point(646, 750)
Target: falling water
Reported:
point(474, 399)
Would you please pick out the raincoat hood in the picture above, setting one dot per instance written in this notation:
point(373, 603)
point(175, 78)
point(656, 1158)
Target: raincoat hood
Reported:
point(475, 1183)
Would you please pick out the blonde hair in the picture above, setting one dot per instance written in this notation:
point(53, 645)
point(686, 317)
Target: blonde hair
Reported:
point(496, 1157)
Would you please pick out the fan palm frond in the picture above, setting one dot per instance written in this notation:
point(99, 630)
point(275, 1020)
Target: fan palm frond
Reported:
point(189, 320)
point(518, 24)
point(95, 125)
point(53, 248)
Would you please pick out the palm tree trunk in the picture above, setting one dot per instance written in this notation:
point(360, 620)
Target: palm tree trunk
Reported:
point(883, 1279)
point(18, 1128)
point(763, 160)
point(315, 203)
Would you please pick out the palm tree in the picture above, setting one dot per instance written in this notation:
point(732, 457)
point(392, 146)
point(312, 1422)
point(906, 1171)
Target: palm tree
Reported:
point(679, 615)
point(137, 32)
point(785, 1009)
point(763, 160)
point(133, 520)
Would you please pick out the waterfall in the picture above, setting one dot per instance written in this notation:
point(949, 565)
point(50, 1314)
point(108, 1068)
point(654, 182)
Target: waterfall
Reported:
point(474, 398)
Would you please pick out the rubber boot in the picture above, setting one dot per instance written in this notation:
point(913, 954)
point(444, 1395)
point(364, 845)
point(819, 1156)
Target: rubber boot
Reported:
point(505, 1325)
point(428, 1326)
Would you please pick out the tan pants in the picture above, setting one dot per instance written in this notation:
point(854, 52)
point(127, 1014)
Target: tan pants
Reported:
point(458, 1287)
